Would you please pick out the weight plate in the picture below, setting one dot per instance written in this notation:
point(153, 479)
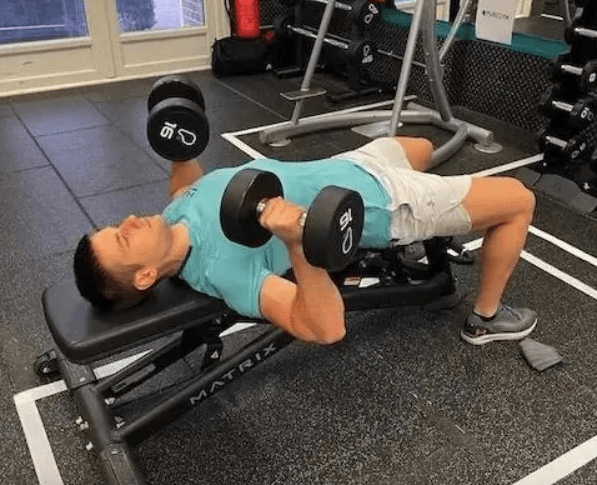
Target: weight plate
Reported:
point(333, 228)
point(175, 86)
point(238, 208)
point(177, 129)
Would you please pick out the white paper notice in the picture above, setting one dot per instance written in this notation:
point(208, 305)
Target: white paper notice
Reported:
point(495, 20)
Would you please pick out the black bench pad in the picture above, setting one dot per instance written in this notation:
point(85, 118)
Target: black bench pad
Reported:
point(84, 334)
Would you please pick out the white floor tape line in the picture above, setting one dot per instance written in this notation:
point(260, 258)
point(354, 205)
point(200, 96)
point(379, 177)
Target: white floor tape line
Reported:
point(564, 245)
point(563, 466)
point(509, 166)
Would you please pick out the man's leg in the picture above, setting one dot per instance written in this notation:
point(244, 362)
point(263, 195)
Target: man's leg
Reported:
point(503, 209)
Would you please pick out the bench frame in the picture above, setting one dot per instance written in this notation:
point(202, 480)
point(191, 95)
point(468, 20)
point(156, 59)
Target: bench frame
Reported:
point(95, 398)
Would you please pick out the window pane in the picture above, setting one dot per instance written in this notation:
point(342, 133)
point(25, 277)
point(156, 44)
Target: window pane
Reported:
point(137, 15)
point(27, 20)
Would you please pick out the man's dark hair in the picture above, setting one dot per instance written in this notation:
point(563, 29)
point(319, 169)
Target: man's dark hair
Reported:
point(96, 285)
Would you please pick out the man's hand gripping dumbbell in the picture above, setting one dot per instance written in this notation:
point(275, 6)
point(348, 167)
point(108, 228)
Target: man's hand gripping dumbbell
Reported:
point(252, 209)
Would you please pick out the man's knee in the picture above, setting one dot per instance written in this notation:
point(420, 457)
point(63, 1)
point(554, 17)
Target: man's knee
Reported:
point(527, 198)
point(419, 152)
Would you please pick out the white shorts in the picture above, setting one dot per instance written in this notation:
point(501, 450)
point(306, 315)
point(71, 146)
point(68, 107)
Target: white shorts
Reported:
point(423, 205)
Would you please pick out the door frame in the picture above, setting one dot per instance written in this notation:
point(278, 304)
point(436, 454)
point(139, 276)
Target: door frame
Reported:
point(106, 55)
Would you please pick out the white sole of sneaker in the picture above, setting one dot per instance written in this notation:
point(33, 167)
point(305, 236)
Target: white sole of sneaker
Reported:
point(485, 339)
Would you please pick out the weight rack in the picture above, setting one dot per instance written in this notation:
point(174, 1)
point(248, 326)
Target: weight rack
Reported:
point(386, 122)
point(568, 171)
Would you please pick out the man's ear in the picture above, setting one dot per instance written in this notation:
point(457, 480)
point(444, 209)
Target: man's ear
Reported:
point(145, 277)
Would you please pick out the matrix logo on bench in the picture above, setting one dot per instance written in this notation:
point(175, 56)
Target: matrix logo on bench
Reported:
point(233, 373)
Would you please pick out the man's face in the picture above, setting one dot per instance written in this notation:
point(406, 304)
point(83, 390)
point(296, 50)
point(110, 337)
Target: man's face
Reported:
point(137, 242)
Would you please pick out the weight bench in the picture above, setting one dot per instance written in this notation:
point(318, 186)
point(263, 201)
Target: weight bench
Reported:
point(84, 335)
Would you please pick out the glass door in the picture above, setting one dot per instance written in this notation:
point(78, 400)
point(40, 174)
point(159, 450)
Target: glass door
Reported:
point(46, 44)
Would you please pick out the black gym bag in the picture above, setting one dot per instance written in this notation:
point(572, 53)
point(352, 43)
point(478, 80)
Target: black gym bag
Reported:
point(233, 55)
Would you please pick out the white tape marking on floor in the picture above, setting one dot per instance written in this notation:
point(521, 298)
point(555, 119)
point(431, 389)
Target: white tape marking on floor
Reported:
point(38, 442)
point(509, 166)
point(241, 145)
point(564, 245)
point(548, 268)
point(563, 466)
point(565, 277)
point(356, 109)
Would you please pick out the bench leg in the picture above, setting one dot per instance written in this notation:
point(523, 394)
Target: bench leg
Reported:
point(115, 461)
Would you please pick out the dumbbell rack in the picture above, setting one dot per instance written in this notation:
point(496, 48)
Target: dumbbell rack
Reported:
point(568, 171)
point(386, 122)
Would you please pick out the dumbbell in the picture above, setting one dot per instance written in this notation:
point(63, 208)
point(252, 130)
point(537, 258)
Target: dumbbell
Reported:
point(573, 150)
point(574, 31)
point(360, 51)
point(582, 112)
point(177, 128)
point(332, 226)
point(361, 13)
point(587, 74)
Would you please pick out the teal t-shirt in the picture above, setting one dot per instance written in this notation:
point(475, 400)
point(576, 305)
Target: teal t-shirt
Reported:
point(223, 269)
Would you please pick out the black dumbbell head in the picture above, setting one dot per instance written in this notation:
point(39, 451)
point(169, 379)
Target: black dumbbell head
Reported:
point(583, 112)
point(361, 53)
point(177, 129)
point(175, 86)
point(281, 23)
point(333, 228)
point(363, 13)
point(238, 209)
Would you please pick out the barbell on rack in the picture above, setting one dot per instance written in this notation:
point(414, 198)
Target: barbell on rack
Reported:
point(359, 51)
point(361, 13)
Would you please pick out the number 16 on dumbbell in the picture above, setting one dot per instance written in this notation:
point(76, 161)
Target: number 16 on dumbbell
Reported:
point(332, 226)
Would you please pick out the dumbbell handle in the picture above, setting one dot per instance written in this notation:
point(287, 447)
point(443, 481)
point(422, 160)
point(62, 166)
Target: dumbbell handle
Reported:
point(339, 5)
point(556, 141)
point(562, 105)
point(572, 69)
point(261, 207)
point(586, 32)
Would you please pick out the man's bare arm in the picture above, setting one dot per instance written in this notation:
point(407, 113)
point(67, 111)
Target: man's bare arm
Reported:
point(182, 175)
point(312, 309)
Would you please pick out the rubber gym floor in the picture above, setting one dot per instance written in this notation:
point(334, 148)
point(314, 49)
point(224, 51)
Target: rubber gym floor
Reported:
point(402, 400)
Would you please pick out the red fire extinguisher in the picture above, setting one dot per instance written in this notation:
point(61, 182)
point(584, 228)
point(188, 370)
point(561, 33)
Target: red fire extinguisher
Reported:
point(246, 19)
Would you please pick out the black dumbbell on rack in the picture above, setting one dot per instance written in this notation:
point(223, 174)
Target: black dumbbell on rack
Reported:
point(361, 13)
point(361, 52)
point(573, 150)
point(332, 226)
point(579, 114)
point(177, 128)
point(586, 75)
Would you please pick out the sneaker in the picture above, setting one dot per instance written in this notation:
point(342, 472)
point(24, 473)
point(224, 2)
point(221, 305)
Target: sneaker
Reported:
point(508, 324)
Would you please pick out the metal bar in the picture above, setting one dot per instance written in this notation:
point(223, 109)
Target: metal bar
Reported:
point(592, 34)
point(409, 54)
point(339, 5)
point(458, 21)
point(434, 72)
point(327, 40)
point(314, 58)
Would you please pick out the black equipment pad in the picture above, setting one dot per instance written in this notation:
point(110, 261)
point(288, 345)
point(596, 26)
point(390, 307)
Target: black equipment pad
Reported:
point(84, 334)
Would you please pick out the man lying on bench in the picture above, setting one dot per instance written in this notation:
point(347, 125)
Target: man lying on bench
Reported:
point(117, 266)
